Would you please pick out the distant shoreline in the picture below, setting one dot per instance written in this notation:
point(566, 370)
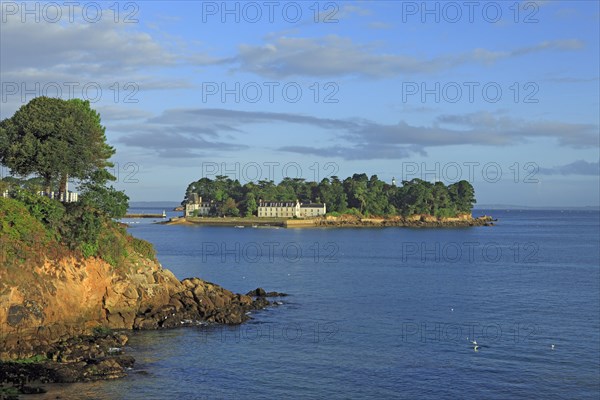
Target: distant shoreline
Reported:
point(417, 221)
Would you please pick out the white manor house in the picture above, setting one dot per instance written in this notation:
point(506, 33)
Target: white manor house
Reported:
point(290, 209)
point(196, 207)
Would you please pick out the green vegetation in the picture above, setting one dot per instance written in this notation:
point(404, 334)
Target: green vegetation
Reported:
point(53, 140)
point(357, 195)
point(28, 236)
point(143, 248)
point(102, 331)
point(9, 393)
point(22, 235)
point(31, 360)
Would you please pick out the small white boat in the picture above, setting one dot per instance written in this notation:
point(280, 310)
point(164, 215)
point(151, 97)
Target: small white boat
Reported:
point(239, 226)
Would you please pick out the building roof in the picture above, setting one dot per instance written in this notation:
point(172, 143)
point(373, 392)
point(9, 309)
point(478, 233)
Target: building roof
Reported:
point(289, 204)
point(202, 204)
point(276, 204)
point(312, 205)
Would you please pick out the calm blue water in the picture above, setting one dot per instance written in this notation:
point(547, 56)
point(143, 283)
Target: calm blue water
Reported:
point(383, 313)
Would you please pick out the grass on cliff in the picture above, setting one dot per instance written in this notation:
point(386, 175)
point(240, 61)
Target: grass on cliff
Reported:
point(23, 238)
point(34, 229)
point(31, 360)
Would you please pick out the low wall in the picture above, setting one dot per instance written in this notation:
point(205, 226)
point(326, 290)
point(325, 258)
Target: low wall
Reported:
point(293, 223)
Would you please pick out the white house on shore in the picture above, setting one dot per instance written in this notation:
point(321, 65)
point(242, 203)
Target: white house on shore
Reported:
point(278, 209)
point(196, 207)
point(290, 209)
point(311, 210)
point(68, 197)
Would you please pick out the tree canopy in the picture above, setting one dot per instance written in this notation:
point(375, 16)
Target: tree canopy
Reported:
point(52, 140)
point(55, 139)
point(359, 194)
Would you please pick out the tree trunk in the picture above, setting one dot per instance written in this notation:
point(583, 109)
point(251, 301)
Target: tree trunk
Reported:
point(47, 185)
point(62, 190)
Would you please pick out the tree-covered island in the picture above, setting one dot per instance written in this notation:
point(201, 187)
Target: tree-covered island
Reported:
point(356, 195)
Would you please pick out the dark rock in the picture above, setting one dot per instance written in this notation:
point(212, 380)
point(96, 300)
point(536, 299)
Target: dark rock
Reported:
point(32, 390)
point(16, 313)
point(276, 294)
point(76, 359)
point(176, 303)
point(258, 292)
point(29, 310)
point(260, 302)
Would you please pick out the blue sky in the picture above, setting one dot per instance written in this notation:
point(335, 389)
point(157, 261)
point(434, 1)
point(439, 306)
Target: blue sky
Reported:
point(504, 94)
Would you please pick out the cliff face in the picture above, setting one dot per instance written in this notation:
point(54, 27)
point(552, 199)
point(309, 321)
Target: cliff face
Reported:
point(72, 297)
point(49, 294)
point(56, 304)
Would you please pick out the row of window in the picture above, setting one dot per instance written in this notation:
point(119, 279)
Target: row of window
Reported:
point(275, 213)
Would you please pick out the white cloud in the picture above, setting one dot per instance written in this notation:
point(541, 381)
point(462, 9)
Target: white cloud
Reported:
point(579, 167)
point(354, 138)
point(335, 56)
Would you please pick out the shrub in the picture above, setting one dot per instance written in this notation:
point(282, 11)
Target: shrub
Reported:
point(445, 212)
point(22, 237)
point(353, 211)
point(48, 211)
point(144, 248)
point(81, 227)
point(112, 244)
point(89, 249)
point(33, 228)
point(31, 360)
point(108, 200)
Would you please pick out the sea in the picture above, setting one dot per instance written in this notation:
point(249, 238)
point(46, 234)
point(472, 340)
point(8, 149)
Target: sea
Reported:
point(378, 313)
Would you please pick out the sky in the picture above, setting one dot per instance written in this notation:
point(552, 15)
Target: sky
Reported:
point(504, 94)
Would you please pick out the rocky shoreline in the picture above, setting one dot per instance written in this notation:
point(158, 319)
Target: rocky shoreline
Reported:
point(407, 222)
point(59, 307)
point(344, 221)
point(79, 359)
point(100, 355)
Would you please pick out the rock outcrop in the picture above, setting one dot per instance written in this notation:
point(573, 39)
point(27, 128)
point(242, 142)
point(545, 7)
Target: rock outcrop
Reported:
point(59, 307)
point(413, 221)
point(67, 298)
point(78, 359)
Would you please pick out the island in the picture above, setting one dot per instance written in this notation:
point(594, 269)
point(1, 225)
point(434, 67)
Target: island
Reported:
point(357, 201)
